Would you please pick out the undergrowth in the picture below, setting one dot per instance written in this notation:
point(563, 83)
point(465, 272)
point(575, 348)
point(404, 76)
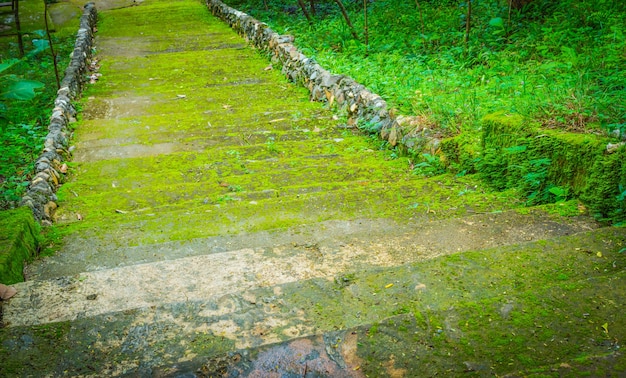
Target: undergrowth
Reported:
point(561, 63)
point(28, 87)
point(559, 66)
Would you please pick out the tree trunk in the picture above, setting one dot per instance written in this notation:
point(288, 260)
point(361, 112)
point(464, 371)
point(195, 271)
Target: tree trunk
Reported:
point(312, 2)
point(345, 15)
point(417, 3)
point(303, 7)
point(468, 21)
point(365, 28)
point(519, 4)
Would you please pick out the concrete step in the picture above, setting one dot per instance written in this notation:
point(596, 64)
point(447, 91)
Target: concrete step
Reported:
point(503, 309)
point(128, 243)
point(280, 124)
point(124, 225)
point(203, 271)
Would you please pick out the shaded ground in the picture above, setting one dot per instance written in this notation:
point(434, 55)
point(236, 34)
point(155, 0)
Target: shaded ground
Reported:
point(216, 222)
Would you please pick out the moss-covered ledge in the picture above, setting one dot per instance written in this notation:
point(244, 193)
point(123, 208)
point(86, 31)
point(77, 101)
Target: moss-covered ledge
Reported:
point(19, 242)
point(546, 165)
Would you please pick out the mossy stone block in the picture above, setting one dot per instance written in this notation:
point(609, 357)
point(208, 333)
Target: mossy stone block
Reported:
point(19, 241)
point(462, 152)
point(549, 165)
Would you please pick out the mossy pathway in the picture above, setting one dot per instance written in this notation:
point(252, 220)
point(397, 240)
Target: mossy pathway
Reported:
point(218, 223)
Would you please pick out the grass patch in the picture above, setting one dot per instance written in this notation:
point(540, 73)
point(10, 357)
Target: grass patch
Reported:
point(557, 63)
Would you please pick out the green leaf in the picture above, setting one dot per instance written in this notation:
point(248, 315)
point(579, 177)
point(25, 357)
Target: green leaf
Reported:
point(515, 149)
point(22, 90)
point(496, 22)
point(8, 64)
point(40, 45)
point(558, 191)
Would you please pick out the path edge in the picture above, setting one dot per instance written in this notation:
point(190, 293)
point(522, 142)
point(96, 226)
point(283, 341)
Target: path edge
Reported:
point(350, 97)
point(41, 194)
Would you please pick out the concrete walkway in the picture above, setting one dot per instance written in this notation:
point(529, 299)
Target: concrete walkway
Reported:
point(218, 223)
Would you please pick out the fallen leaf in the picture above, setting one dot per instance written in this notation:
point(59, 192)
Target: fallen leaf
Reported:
point(227, 106)
point(599, 254)
point(605, 327)
point(181, 96)
point(7, 292)
point(121, 211)
point(277, 120)
point(79, 217)
point(268, 68)
point(564, 365)
point(63, 168)
point(388, 286)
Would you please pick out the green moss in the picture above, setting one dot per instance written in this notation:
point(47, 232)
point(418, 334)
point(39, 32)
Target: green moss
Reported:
point(606, 186)
point(462, 152)
point(24, 350)
point(551, 166)
point(19, 242)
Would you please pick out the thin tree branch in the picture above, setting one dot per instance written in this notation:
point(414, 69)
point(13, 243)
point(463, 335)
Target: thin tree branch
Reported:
point(54, 55)
point(366, 29)
point(303, 7)
point(419, 8)
point(345, 16)
point(468, 21)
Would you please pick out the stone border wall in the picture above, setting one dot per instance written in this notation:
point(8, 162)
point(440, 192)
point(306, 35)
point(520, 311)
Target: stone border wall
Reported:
point(349, 96)
point(41, 197)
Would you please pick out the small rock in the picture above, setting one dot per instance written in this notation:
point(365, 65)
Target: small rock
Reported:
point(92, 297)
point(506, 310)
point(49, 209)
point(612, 147)
point(7, 292)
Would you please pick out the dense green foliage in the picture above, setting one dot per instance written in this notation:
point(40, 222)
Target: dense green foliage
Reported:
point(27, 91)
point(557, 66)
point(561, 63)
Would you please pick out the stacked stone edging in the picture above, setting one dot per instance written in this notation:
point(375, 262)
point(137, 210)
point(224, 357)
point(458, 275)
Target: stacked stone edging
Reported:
point(351, 97)
point(41, 197)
